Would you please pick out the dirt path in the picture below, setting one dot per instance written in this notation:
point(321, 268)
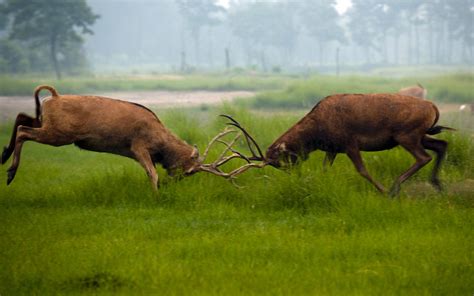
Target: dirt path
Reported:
point(11, 106)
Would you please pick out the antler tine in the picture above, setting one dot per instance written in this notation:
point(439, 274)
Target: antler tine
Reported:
point(228, 147)
point(254, 155)
point(248, 137)
point(235, 151)
point(222, 159)
point(243, 168)
point(233, 173)
point(213, 167)
point(216, 138)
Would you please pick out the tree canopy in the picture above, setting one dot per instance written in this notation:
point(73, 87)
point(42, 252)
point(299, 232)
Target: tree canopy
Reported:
point(58, 25)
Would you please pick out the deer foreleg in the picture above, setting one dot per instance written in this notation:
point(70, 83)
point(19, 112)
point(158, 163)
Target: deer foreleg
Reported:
point(354, 155)
point(142, 155)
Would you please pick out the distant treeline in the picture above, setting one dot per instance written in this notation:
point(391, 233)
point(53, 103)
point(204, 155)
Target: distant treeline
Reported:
point(194, 35)
point(275, 36)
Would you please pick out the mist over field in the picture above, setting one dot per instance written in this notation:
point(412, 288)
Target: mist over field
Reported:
point(304, 36)
point(79, 222)
point(294, 36)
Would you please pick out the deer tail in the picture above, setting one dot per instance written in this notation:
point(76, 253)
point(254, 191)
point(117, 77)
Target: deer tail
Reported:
point(436, 129)
point(53, 91)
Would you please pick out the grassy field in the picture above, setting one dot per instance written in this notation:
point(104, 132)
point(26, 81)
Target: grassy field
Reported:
point(280, 91)
point(78, 222)
point(81, 85)
point(305, 93)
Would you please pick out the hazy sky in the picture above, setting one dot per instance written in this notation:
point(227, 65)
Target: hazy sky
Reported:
point(341, 5)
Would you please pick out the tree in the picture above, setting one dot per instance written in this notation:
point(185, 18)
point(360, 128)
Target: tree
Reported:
point(320, 19)
point(13, 58)
point(263, 24)
point(363, 25)
point(461, 24)
point(197, 14)
point(55, 23)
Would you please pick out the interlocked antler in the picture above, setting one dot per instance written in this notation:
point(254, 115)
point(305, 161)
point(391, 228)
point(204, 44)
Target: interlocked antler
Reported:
point(248, 137)
point(222, 159)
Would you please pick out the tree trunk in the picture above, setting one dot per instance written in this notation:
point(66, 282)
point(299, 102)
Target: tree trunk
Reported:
point(431, 42)
point(54, 57)
point(210, 52)
point(183, 62)
point(263, 61)
point(320, 50)
point(195, 34)
point(396, 49)
point(227, 59)
point(417, 43)
point(385, 48)
point(410, 45)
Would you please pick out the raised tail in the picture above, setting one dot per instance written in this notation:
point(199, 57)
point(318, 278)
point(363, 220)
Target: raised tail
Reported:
point(438, 129)
point(53, 91)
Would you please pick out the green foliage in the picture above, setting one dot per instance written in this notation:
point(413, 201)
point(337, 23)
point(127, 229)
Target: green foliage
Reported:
point(265, 24)
point(305, 93)
point(78, 222)
point(13, 57)
point(57, 25)
point(25, 85)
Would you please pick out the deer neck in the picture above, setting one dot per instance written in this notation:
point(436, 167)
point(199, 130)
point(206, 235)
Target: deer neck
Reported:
point(176, 155)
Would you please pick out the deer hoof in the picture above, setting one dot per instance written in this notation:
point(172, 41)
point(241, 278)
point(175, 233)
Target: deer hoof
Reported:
point(394, 191)
point(11, 175)
point(4, 155)
point(437, 184)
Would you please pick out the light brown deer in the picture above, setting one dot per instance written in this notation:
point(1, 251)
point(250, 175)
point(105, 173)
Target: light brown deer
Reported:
point(417, 91)
point(350, 123)
point(107, 125)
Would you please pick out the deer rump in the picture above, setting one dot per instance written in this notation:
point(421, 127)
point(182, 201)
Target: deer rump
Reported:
point(350, 123)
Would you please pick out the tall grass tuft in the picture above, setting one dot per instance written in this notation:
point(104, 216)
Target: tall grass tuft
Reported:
point(306, 93)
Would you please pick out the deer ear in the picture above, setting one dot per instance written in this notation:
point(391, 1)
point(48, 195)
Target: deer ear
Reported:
point(282, 147)
point(195, 153)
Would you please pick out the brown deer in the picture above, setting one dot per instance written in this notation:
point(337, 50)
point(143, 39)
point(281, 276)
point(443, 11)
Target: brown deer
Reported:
point(107, 125)
point(417, 91)
point(350, 123)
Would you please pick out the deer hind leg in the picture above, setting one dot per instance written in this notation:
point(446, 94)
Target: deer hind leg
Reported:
point(143, 157)
point(416, 149)
point(439, 147)
point(354, 155)
point(329, 158)
point(40, 135)
point(21, 119)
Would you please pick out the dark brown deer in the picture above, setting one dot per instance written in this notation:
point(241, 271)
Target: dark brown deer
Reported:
point(417, 91)
point(350, 123)
point(118, 127)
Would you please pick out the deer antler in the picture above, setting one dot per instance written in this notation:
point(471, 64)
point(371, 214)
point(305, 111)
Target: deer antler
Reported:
point(224, 158)
point(215, 139)
point(248, 137)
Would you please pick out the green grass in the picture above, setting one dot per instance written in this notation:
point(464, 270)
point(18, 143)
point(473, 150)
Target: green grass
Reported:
point(280, 91)
point(25, 85)
point(305, 93)
point(78, 222)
